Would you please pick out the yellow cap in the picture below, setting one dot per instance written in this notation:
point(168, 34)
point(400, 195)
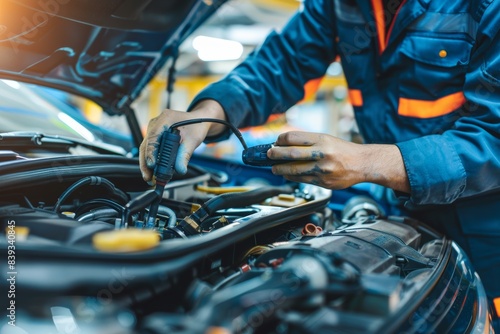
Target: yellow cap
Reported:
point(21, 232)
point(69, 214)
point(217, 330)
point(129, 240)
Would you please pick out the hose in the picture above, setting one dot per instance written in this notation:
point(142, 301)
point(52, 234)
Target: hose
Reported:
point(97, 214)
point(143, 200)
point(172, 217)
point(245, 198)
point(136, 204)
point(92, 181)
point(191, 224)
point(101, 202)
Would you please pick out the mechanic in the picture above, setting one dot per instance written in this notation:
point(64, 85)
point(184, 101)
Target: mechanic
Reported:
point(424, 81)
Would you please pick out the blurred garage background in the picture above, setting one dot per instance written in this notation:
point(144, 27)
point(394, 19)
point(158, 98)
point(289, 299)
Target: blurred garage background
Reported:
point(217, 47)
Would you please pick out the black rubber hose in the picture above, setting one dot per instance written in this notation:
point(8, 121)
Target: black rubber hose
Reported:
point(99, 202)
point(93, 181)
point(138, 203)
point(97, 214)
point(225, 201)
point(244, 198)
point(142, 201)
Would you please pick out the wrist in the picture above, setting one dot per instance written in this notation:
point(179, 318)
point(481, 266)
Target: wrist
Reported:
point(383, 164)
point(210, 109)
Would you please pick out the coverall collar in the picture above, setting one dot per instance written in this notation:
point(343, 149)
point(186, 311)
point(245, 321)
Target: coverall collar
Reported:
point(408, 13)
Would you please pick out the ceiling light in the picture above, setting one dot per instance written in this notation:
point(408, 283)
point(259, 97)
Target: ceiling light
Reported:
point(217, 49)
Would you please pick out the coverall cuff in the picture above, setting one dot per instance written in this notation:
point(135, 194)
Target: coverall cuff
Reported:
point(232, 102)
point(435, 172)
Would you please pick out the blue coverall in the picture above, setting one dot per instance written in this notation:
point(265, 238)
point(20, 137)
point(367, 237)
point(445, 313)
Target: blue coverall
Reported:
point(429, 82)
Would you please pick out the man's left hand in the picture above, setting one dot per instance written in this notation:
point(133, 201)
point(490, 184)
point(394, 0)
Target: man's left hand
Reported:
point(334, 163)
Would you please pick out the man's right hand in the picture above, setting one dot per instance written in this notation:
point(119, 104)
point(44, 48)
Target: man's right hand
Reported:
point(191, 135)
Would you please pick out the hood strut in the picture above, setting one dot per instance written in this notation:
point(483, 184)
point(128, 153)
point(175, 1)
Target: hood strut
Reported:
point(133, 124)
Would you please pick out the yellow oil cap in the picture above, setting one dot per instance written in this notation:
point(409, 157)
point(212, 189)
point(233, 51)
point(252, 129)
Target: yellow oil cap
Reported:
point(217, 330)
point(129, 240)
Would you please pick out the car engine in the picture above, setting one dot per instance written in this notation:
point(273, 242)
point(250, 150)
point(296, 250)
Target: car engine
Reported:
point(219, 258)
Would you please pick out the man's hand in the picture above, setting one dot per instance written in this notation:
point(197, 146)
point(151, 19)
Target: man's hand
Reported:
point(192, 135)
point(333, 163)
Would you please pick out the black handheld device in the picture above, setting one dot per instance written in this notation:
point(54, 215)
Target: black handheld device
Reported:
point(257, 156)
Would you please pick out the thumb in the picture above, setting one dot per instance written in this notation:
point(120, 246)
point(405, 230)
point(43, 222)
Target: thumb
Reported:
point(182, 159)
point(186, 149)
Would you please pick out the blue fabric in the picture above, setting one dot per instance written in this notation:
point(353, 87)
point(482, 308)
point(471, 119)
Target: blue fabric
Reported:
point(446, 157)
point(449, 158)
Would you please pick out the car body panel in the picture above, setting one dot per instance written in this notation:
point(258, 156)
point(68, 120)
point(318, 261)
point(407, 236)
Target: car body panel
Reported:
point(105, 51)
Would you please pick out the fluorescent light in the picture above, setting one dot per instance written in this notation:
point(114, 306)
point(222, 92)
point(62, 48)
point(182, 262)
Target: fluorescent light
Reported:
point(64, 320)
point(77, 127)
point(217, 49)
point(11, 83)
point(334, 70)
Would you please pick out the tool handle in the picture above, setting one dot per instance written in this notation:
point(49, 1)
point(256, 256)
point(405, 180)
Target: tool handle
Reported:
point(166, 155)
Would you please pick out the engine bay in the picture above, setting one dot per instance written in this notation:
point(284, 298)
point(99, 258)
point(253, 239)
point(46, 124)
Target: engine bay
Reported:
point(219, 258)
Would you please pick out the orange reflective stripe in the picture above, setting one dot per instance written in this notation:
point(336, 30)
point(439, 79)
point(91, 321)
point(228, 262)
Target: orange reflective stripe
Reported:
point(378, 12)
point(355, 97)
point(311, 87)
point(429, 109)
point(496, 302)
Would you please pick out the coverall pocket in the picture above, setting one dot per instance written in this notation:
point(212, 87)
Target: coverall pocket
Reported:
point(434, 67)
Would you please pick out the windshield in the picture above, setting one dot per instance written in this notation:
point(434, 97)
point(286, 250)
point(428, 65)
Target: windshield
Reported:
point(30, 108)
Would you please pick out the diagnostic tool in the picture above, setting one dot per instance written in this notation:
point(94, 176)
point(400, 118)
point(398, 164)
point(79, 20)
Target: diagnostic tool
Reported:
point(168, 145)
point(257, 156)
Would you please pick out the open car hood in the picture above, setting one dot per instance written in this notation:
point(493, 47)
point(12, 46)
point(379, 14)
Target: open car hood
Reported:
point(106, 51)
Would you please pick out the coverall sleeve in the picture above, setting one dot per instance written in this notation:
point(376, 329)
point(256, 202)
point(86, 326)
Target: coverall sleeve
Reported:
point(464, 160)
point(272, 77)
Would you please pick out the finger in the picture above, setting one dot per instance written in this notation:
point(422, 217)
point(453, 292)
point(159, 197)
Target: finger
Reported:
point(296, 138)
point(146, 172)
point(297, 169)
point(303, 179)
point(151, 147)
point(293, 153)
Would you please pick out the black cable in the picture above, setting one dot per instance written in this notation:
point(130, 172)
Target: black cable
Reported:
point(168, 146)
point(96, 214)
point(102, 202)
point(212, 120)
point(93, 181)
point(138, 203)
